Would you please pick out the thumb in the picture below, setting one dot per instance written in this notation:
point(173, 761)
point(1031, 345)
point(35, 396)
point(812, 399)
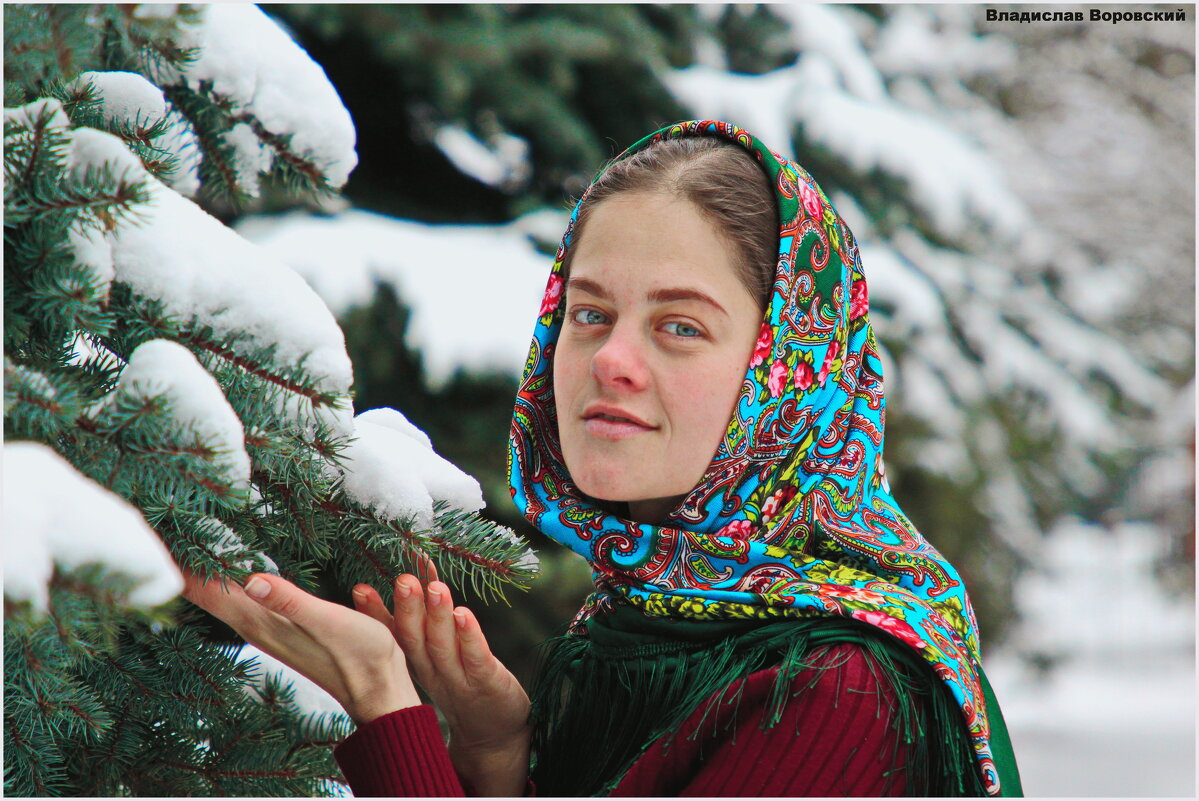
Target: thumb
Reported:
point(281, 597)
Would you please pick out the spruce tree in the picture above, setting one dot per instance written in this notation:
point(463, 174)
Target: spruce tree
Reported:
point(162, 373)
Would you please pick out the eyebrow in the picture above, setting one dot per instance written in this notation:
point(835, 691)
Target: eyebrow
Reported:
point(665, 295)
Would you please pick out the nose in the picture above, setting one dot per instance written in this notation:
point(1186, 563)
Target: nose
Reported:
point(620, 362)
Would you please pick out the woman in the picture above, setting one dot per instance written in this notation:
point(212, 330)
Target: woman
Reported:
point(766, 621)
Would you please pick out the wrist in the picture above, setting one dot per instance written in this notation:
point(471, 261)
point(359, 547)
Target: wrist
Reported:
point(379, 702)
point(493, 744)
point(492, 769)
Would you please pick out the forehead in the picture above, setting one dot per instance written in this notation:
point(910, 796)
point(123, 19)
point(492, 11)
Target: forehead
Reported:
point(649, 240)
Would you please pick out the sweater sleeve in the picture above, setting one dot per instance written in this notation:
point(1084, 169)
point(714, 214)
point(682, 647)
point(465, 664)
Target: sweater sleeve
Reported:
point(399, 754)
point(834, 739)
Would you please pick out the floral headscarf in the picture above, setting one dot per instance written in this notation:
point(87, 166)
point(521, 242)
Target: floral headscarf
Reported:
point(794, 516)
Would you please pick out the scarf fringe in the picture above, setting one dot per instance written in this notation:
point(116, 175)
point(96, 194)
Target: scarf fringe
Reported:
point(629, 696)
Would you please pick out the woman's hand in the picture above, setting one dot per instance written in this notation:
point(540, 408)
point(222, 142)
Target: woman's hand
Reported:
point(350, 655)
point(486, 708)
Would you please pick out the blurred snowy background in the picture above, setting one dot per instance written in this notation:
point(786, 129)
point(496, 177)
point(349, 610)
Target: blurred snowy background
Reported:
point(1024, 199)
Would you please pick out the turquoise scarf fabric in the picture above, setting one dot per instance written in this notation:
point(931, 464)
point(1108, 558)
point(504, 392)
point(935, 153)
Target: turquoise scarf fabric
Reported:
point(794, 517)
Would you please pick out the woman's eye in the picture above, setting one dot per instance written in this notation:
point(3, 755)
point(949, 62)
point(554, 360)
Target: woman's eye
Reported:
point(679, 329)
point(589, 317)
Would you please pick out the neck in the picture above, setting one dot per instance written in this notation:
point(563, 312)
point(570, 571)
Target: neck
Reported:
point(652, 510)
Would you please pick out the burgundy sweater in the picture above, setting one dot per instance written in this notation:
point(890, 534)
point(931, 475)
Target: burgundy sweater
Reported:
point(834, 739)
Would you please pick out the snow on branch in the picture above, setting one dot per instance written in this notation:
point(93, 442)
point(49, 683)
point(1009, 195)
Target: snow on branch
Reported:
point(269, 83)
point(202, 272)
point(136, 108)
point(834, 97)
point(391, 469)
point(344, 255)
point(54, 515)
point(160, 368)
point(45, 113)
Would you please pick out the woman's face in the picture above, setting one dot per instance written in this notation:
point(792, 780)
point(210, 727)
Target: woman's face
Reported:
point(656, 341)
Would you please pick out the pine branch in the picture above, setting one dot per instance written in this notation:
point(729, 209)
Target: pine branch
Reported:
point(97, 197)
point(466, 549)
point(32, 155)
point(213, 115)
point(65, 299)
point(144, 319)
point(36, 405)
point(281, 145)
point(301, 513)
point(85, 107)
point(218, 172)
point(297, 387)
point(149, 45)
point(205, 546)
point(136, 448)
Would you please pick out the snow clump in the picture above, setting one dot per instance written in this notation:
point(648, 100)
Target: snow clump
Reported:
point(397, 475)
point(26, 116)
point(55, 515)
point(128, 98)
point(255, 65)
point(220, 280)
point(161, 367)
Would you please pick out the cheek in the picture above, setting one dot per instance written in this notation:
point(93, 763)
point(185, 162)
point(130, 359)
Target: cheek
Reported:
point(568, 368)
point(703, 399)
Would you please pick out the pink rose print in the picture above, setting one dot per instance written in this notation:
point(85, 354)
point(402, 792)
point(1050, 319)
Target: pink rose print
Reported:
point(553, 291)
point(776, 502)
point(762, 349)
point(858, 303)
point(803, 376)
point(740, 529)
point(811, 200)
point(778, 378)
point(893, 626)
point(851, 593)
point(829, 357)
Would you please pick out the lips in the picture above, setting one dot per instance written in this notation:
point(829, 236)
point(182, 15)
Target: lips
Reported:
point(612, 422)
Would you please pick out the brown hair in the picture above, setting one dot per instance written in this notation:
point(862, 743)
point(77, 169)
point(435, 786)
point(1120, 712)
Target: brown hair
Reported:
point(720, 179)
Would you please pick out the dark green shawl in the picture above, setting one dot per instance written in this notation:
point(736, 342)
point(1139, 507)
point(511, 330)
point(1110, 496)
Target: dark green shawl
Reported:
point(604, 697)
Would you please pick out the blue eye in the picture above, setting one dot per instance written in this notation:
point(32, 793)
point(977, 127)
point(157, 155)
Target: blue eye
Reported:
point(682, 329)
point(589, 317)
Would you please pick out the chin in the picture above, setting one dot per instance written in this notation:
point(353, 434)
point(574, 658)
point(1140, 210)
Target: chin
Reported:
point(604, 488)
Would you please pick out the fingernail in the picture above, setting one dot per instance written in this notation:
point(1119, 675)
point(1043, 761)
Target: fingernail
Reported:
point(434, 595)
point(258, 587)
point(402, 589)
point(460, 618)
point(359, 595)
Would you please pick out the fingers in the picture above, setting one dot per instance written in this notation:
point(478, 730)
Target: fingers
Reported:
point(368, 601)
point(408, 625)
point(441, 637)
point(222, 599)
point(443, 645)
point(278, 595)
point(477, 661)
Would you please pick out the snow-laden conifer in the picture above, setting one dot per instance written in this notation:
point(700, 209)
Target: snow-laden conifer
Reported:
point(178, 398)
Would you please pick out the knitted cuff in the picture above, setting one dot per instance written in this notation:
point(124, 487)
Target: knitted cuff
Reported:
point(399, 754)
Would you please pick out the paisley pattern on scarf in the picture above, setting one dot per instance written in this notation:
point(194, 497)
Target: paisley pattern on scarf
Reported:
point(794, 516)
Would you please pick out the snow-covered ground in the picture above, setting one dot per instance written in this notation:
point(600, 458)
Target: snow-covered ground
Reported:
point(1097, 730)
point(1115, 715)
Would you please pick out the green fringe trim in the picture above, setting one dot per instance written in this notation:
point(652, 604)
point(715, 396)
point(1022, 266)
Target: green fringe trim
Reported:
point(603, 698)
